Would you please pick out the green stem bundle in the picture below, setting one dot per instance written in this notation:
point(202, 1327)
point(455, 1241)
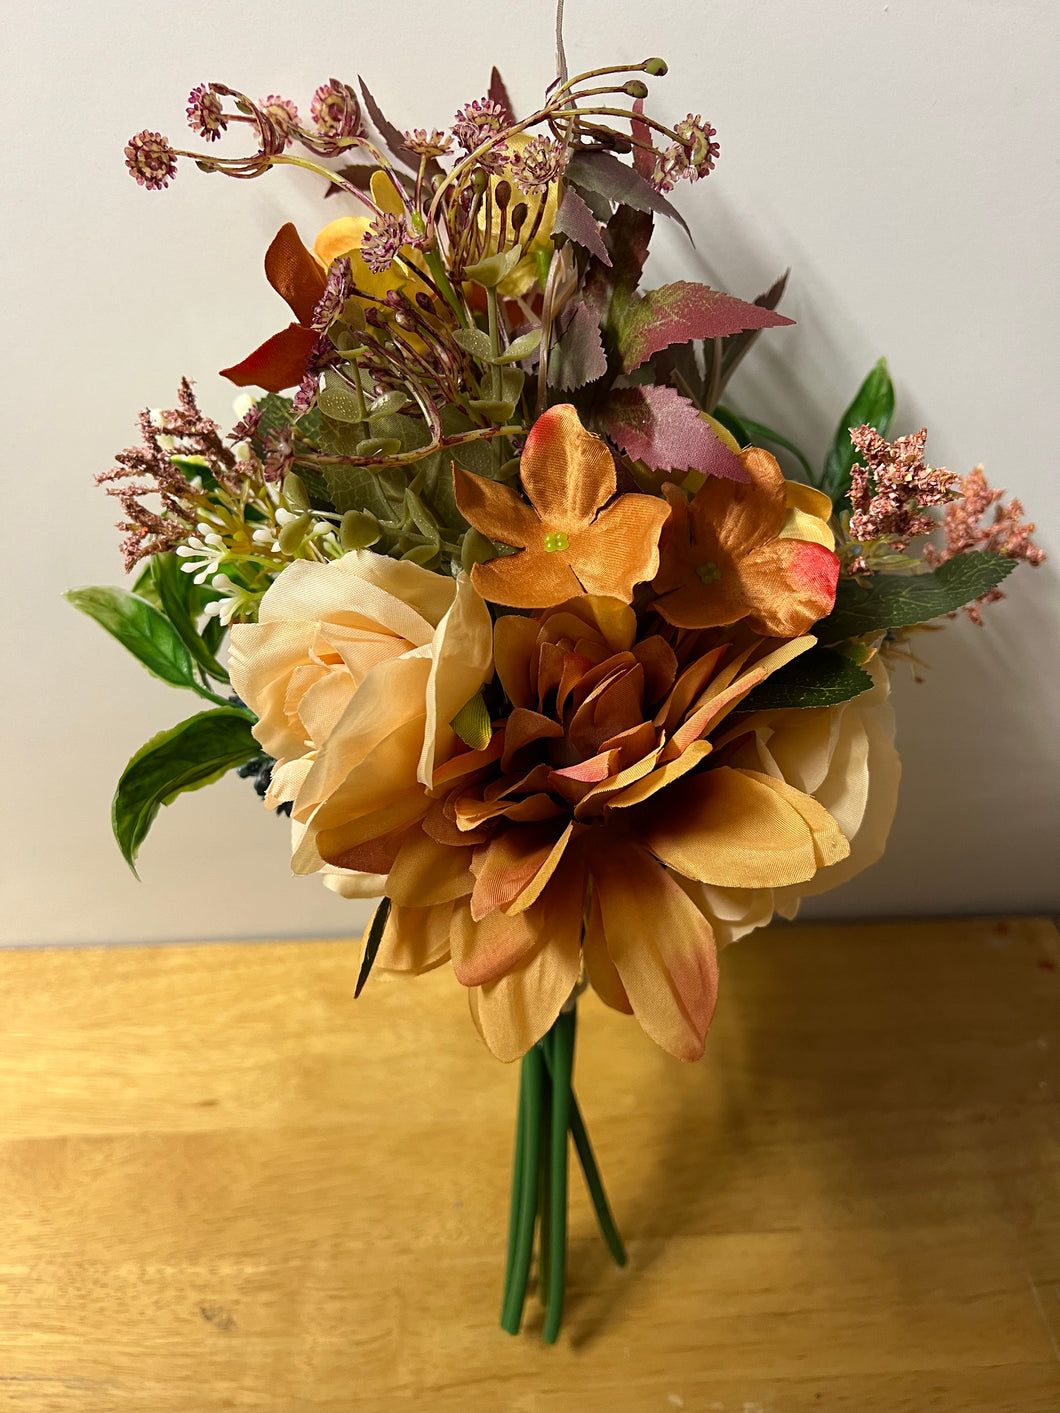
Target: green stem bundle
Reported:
point(548, 1112)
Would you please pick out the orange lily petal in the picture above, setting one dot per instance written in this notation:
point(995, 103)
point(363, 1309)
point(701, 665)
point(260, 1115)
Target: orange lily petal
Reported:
point(277, 364)
point(662, 948)
point(566, 472)
point(725, 828)
point(294, 273)
point(496, 510)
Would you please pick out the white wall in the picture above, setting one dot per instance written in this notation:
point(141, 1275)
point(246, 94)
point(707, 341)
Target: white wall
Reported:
point(900, 157)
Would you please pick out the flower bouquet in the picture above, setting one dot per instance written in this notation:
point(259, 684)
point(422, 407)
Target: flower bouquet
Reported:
point(527, 631)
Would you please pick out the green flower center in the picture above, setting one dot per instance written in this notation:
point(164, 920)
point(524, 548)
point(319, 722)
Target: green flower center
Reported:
point(557, 540)
point(709, 573)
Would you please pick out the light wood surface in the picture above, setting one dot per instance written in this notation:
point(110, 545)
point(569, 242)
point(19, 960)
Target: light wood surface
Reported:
point(224, 1185)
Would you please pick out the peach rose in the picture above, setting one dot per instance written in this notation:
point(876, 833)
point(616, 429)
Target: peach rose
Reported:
point(355, 669)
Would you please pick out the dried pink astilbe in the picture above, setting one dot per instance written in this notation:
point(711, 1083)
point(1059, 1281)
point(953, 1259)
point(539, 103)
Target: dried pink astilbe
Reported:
point(890, 490)
point(185, 431)
point(337, 291)
point(205, 115)
point(382, 239)
point(1004, 534)
point(151, 160)
point(692, 157)
point(336, 112)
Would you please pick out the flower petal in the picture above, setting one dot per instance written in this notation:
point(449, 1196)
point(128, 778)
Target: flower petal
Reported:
point(789, 586)
point(277, 364)
point(461, 661)
point(567, 473)
point(415, 939)
point(496, 511)
point(725, 828)
point(661, 946)
point(621, 547)
point(294, 274)
point(529, 579)
point(425, 872)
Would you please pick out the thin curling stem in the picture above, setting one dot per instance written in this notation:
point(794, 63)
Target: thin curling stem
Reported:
point(533, 1076)
point(562, 1069)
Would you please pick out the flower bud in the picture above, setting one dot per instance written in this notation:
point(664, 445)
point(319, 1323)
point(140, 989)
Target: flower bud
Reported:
point(655, 67)
point(518, 216)
point(479, 181)
point(636, 88)
point(502, 193)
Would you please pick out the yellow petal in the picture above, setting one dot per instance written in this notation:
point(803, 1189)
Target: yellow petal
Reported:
point(461, 662)
point(415, 939)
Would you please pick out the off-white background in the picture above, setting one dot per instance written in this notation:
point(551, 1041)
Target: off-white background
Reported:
point(900, 157)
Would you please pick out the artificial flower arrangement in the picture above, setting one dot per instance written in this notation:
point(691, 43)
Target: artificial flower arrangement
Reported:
point(527, 630)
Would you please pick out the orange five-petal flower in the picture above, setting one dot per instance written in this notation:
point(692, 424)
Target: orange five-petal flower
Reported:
point(571, 540)
point(727, 555)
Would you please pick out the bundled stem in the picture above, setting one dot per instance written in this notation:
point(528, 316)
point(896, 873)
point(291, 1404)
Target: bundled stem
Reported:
point(548, 1112)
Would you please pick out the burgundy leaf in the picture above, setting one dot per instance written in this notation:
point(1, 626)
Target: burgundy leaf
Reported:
point(578, 358)
point(658, 426)
point(608, 290)
point(643, 157)
point(739, 345)
point(684, 311)
point(774, 293)
point(603, 172)
point(498, 94)
point(574, 219)
point(387, 131)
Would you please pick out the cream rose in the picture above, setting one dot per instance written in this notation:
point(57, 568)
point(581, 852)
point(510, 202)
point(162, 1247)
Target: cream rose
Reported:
point(844, 757)
point(355, 669)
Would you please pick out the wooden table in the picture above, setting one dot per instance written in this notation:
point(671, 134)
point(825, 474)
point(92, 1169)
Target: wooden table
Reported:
point(224, 1185)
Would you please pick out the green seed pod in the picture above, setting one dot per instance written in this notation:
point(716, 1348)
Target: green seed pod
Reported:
point(295, 495)
point(475, 549)
point(422, 554)
point(636, 89)
point(358, 530)
point(293, 533)
point(479, 181)
point(656, 67)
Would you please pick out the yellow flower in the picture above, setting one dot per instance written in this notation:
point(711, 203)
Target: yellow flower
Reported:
point(355, 669)
point(344, 236)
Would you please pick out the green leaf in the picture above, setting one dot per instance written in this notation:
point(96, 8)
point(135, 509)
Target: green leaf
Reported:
point(818, 678)
point(472, 723)
point(873, 405)
point(473, 341)
point(885, 601)
point(520, 348)
point(371, 948)
point(187, 756)
point(760, 433)
point(140, 629)
point(734, 423)
point(179, 598)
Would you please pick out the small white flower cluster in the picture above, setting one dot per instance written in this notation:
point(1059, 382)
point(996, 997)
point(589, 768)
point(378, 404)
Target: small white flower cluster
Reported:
point(235, 600)
point(203, 552)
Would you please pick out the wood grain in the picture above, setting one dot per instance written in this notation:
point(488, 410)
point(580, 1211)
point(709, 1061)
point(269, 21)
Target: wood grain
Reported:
point(223, 1185)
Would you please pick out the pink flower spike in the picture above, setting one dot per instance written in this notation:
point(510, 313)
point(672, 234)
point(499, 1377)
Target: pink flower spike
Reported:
point(151, 160)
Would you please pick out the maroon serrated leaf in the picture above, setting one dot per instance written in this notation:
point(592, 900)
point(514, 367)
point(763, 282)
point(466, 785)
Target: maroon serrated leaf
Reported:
point(774, 293)
point(575, 220)
point(658, 426)
point(603, 172)
point(737, 347)
point(498, 94)
point(608, 290)
point(394, 139)
point(578, 358)
point(684, 311)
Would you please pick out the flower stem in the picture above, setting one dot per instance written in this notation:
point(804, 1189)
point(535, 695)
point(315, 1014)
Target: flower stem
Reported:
point(562, 1069)
point(595, 1184)
point(544, 1179)
point(533, 1077)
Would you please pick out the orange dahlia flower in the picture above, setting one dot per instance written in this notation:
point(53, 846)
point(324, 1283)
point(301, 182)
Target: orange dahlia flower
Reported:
point(759, 551)
point(573, 536)
point(579, 832)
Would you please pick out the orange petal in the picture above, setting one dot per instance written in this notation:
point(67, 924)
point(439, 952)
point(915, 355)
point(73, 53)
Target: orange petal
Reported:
point(514, 640)
point(599, 967)
point(741, 515)
point(725, 828)
point(505, 866)
point(621, 547)
point(661, 946)
point(488, 948)
point(277, 364)
point(294, 274)
point(514, 1011)
point(425, 872)
point(529, 579)
point(829, 842)
point(415, 939)
point(566, 472)
point(789, 585)
point(496, 511)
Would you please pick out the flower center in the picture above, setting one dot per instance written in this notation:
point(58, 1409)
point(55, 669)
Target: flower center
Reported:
point(708, 573)
point(557, 540)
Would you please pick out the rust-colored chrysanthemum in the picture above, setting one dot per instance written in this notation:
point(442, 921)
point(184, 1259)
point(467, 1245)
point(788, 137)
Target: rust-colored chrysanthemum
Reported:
point(598, 804)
